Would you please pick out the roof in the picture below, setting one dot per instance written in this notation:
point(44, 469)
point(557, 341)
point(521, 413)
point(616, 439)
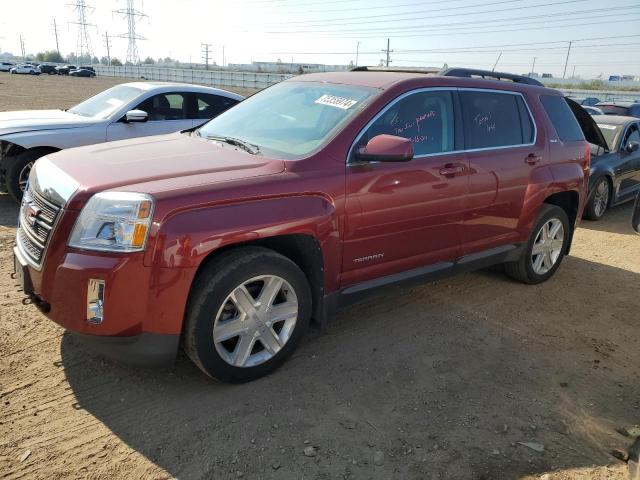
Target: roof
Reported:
point(614, 119)
point(385, 79)
point(185, 87)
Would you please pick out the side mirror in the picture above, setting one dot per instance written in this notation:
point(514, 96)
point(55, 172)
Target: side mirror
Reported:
point(135, 116)
point(635, 220)
point(632, 146)
point(386, 148)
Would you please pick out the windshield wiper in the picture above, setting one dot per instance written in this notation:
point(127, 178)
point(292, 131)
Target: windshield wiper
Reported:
point(236, 142)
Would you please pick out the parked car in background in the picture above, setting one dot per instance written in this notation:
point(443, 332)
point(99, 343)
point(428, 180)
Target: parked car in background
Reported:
point(82, 72)
point(65, 69)
point(25, 69)
point(593, 110)
point(627, 109)
point(128, 110)
point(88, 67)
point(307, 194)
point(614, 176)
point(585, 101)
point(47, 68)
point(6, 66)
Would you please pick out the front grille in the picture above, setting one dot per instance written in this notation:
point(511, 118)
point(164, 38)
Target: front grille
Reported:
point(36, 220)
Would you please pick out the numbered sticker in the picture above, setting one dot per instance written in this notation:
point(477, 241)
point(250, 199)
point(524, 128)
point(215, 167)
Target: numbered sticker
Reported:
point(338, 102)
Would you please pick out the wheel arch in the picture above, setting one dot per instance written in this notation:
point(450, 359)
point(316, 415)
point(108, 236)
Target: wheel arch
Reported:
point(302, 249)
point(569, 201)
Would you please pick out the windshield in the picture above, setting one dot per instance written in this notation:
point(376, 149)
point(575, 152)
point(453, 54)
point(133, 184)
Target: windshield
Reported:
point(610, 132)
point(104, 104)
point(290, 119)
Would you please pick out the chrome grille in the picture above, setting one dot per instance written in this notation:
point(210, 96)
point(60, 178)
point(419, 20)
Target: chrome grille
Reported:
point(36, 220)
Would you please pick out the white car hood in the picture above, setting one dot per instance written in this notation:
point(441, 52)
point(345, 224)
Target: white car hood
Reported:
point(32, 120)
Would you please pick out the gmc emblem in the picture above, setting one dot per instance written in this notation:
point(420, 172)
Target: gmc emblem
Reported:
point(31, 213)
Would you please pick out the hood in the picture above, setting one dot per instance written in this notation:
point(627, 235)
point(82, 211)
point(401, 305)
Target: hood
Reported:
point(588, 125)
point(159, 164)
point(28, 120)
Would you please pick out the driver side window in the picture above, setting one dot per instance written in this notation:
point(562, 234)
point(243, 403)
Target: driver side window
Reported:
point(165, 106)
point(426, 118)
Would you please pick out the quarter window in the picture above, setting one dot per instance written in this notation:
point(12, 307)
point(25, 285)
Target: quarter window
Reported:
point(493, 119)
point(562, 118)
point(426, 118)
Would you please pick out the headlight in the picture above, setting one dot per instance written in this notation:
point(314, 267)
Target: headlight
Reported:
point(113, 222)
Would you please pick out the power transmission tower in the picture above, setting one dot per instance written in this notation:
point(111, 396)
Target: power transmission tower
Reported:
point(205, 54)
point(108, 45)
point(55, 32)
point(132, 15)
point(83, 47)
point(387, 51)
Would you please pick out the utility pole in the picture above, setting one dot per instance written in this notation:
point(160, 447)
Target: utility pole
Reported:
point(108, 45)
point(533, 67)
point(24, 57)
point(357, 52)
point(573, 75)
point(205, 54)
point(496, 64)
point(224, 60)
point(55, 32)
point(387, 51)
point(567, 60)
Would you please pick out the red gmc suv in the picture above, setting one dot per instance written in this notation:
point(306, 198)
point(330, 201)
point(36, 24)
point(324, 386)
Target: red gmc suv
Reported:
point(229, 238)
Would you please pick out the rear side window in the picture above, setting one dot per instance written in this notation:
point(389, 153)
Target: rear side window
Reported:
point(562, 118)
point(210, 105)
point(493, 119)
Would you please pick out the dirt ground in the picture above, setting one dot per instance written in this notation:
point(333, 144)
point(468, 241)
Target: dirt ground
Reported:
point(439, 381)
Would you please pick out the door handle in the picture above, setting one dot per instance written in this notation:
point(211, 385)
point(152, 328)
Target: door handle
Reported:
point(532, 159)
point(451, 170)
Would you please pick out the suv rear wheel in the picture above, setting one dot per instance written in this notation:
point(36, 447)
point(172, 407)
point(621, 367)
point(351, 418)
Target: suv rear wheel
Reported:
point(247, 312)
point(545, 249)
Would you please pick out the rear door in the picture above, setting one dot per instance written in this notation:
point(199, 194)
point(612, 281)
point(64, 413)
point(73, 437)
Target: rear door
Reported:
point(168, 113)
point(502, 151)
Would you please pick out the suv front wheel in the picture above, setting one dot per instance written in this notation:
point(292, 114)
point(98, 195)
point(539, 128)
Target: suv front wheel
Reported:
point(545, 249)
point(247, 312)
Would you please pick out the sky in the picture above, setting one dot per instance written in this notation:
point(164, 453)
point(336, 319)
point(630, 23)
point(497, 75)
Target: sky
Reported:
point(605, 35)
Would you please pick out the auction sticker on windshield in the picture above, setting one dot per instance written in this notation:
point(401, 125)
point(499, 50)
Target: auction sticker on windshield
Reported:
point(333, 101)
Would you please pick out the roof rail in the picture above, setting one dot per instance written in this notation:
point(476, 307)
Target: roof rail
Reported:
point(487, 74)
point(397, 69)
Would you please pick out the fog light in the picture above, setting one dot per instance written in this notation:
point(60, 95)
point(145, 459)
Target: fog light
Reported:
point(95, 301)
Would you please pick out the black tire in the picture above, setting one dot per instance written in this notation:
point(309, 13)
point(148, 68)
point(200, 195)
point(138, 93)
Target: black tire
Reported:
point(15, 167)
point(523, 269)
point(593, 210)
point(212, 286)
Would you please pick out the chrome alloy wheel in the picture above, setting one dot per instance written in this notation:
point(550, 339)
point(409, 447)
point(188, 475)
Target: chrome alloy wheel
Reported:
point(23, 177)
point(601, 198)
point(547, 246)
point(255, 321)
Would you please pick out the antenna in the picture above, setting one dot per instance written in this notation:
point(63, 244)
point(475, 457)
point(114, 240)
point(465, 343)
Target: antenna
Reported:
point(83, 47)
point(131, 14)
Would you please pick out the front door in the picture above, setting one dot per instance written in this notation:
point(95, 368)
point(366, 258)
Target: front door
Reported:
point(628, 168)
point(167, 113)
point(404, 215)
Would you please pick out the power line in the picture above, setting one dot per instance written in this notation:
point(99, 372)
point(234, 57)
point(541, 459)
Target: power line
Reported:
point(474, 23)
point(131, 14)
point(350, 20)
